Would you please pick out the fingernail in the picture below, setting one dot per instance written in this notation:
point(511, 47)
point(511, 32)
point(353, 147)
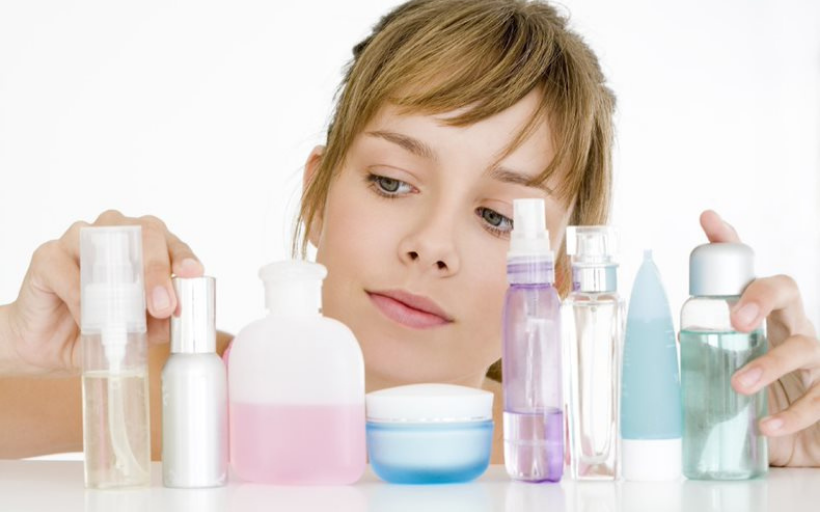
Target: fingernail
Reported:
point(190, 265)
point(771, 424)
point(161, 299)
point(748, 313)
point(749, 377)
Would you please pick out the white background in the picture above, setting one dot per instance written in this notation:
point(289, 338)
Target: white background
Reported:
point(202, 113)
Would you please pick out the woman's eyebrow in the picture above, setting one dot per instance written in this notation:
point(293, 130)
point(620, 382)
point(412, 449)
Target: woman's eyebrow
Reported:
point(506, 175)
point(419, 148)
point(409, 143)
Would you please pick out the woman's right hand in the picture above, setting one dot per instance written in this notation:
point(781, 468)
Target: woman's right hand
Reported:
point(40, 331)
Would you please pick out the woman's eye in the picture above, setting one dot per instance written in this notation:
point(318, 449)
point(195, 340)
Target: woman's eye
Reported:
point(497, 222)
point(389, 186)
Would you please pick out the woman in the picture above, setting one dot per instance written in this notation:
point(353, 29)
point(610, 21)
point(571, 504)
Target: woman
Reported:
point(448, 111)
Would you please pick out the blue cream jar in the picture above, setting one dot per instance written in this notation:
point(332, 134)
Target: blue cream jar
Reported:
point(429, 433)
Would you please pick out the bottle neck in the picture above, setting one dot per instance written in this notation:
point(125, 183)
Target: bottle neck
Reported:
point(530, 270)
point(594, 279)
point(293, 313)
point(294, 299)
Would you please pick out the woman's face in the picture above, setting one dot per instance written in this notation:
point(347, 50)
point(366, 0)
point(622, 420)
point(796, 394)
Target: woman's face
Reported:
point(414, 235)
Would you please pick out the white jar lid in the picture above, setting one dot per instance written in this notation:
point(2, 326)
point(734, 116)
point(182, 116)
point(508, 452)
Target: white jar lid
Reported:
point(429, 403)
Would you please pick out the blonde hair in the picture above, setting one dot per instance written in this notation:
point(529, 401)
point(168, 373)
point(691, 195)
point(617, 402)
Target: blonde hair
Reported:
point(437, 56)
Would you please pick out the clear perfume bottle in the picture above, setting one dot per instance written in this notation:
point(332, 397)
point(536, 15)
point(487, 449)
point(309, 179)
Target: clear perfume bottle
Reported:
point(533, 402)
point(721, 440)
point(116, 427)
point(593, 321)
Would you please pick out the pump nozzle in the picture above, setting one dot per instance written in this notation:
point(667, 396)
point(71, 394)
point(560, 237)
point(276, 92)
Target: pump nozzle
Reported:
point(113, 297)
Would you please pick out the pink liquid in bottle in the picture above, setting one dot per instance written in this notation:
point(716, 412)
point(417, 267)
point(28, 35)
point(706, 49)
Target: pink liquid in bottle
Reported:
point(298, 444)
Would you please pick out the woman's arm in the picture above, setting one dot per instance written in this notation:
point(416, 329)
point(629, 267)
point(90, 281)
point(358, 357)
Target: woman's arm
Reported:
point(41, 416)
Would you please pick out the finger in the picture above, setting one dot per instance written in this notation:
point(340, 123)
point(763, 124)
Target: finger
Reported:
point(796, 352)
point(802, 414)
point(71, 238)
point(70, 241)
point(717, 230)
point(158, 330)
point(764, 296)
point(158, 291)
point(54, 272)
point(184, 262)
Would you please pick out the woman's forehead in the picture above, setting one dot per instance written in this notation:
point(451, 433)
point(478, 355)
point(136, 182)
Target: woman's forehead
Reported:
point(434, 137)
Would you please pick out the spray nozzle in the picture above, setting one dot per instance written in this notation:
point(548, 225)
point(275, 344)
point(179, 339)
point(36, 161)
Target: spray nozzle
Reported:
point(529, 236)
point(591, 245)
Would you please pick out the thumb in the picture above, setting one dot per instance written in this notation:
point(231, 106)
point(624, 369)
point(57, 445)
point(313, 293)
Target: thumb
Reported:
point(717, 229)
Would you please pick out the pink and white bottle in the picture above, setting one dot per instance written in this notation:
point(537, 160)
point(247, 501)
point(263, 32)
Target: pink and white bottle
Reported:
point(296, 388)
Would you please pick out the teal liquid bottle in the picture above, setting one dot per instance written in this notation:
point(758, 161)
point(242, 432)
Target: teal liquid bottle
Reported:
point(651, 423)
point(721, 437)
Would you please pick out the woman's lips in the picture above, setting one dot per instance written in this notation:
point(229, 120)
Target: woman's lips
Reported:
point(394, 305)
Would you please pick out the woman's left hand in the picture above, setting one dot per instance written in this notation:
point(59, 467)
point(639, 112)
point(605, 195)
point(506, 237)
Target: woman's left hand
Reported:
point(790, 369)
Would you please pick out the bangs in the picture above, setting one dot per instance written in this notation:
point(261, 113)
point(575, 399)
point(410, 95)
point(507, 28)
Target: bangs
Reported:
point(483, 63)
point(477, 58)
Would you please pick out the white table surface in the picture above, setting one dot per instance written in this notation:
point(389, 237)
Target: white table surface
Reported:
point(58, 486)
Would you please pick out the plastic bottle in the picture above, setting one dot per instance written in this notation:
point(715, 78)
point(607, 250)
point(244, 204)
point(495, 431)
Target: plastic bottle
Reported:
point(533, 400)
point(116, 426)
point(296, 388)
point(651, 422)
point(593, 319)
point(721, 440)
point(194, 392)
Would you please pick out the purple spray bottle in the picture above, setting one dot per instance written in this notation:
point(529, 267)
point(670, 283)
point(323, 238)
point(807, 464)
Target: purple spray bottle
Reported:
point(533, 405)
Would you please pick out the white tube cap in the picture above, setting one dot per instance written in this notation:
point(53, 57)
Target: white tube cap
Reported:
point(651, 460)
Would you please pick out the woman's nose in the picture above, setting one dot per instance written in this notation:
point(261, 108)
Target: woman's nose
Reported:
point(433, 247)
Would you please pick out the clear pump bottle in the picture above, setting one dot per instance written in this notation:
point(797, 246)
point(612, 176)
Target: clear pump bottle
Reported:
point(593, 321)
point(296, 388)
point(721, 439)
point(533, 400)
point(116, 427)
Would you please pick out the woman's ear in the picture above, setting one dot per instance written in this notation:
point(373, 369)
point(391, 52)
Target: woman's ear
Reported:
point(311, 166)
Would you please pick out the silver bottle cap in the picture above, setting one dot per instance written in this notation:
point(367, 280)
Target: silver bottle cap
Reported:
point(193, 324)
point(720, 269)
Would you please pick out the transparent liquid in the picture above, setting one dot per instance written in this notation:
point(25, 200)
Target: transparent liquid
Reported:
point(594, 349)
point(721, 440)
point(534, 445)
point(116, 429)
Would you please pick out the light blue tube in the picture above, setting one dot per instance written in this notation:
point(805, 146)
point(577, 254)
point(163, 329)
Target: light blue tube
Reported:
point(650, 390)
